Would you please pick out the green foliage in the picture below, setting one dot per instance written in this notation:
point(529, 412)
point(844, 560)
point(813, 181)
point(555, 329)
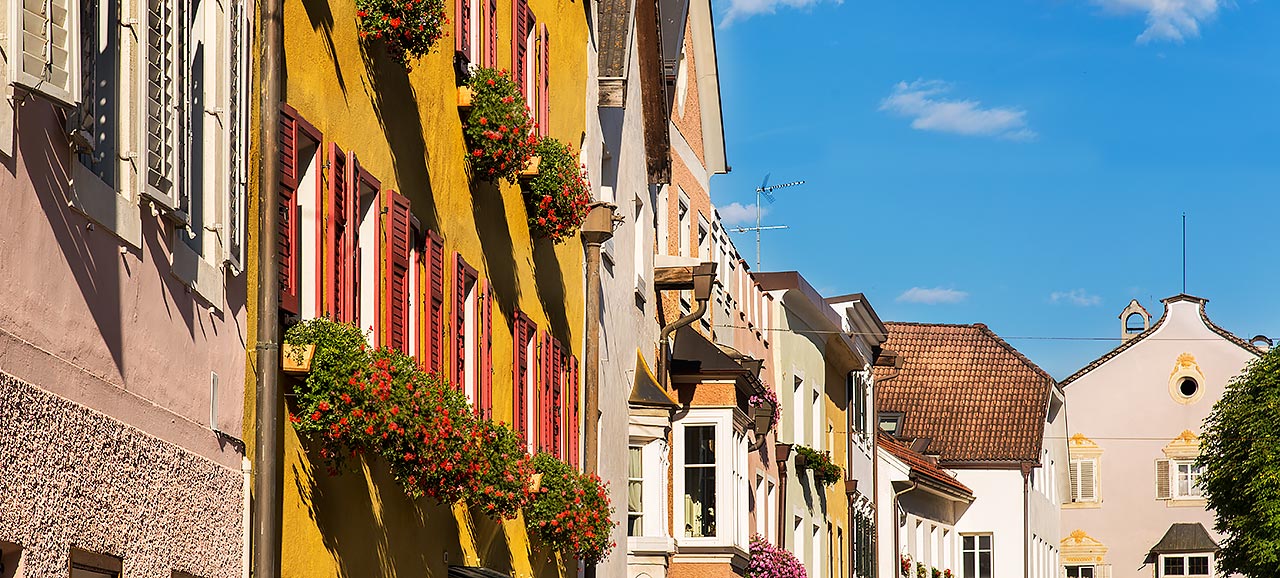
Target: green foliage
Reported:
point(1240, 454)
point(825, 472)
point(498, 129)
point(407, 28)
point(571, 512)
point(557, 198)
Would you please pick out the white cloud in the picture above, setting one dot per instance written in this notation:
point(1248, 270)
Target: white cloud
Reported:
point(1077, 297)
point(743, 9)
point(1172, 20)
point(924, 103)
point(734, 214)
point(932, 296)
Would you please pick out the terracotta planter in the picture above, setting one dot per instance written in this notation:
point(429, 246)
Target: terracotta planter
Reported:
point(530, 169)
point(801, 461)
point(464, 97)
point(535, 482)
point(289, 358)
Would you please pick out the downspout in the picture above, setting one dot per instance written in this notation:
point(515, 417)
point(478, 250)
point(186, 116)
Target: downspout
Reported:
point(597, 229)
point(897, 538)
point(246, 519)
point(268, 442)
point(703, 276)
point(1026, 521)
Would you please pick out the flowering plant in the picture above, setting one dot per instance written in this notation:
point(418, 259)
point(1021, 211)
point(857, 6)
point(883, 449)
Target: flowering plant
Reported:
point(408, 28)
point(769, 561)
point(905, 566)
point(922, 571)
point(498, 129)
point(936, 573)
point(769, 398)
point(571, 511)
point(948, 573)
point(557, 198)
point(824, 471)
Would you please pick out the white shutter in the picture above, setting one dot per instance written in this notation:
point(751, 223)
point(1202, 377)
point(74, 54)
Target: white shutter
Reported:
point(1074, 474)
point(6, 107)
point(1088, 481)
point(47, 48)
point(161, 127)
point(235, 125)
point(1162, 480)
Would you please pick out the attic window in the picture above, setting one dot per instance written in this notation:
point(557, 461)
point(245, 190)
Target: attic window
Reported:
point(1188, 386)
point(891, 422)
point(1134, 323)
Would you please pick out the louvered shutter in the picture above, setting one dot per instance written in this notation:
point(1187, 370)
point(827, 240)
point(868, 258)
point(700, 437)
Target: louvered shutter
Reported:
point(521, 330)
point(399, 237)
point(1073, 474)
point(47, 39)
point(462, 29)
point(544, 393)
point(337, 242)
point(544, 82)
point(484, 365)
point(163, 107)
point(288, 233)
point(459, 317)
point(557, 400)
point(572, 418)
point(237, 141)
point(1162, 480)
point(520, 33)
point(491, 34)
point(1088, 481)
point(435, 300)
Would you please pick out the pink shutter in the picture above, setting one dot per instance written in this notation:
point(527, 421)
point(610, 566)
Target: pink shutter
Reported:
point(435, 303)
point(462, 29)
point(544, 82)
point(399, 237)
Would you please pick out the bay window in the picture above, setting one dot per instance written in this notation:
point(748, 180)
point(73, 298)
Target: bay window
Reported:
point(710, 478)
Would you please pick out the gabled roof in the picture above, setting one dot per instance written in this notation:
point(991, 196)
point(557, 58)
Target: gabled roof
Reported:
point(976, 397)
point(1139, 337)
point(921, 466)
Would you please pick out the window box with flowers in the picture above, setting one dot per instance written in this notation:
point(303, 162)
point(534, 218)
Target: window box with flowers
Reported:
point(570, 513)
point(824, 471)
point(407, 29)
point(765, 410)
point(496, 125)
point(557, 197)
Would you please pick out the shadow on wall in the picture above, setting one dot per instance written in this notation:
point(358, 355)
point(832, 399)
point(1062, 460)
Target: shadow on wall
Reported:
point(321, 18)
point(396, 105)
point(551, 292)
point(488, 209)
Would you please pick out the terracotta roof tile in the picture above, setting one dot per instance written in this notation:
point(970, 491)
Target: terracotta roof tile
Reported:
point(919, 464)
point(971, 393)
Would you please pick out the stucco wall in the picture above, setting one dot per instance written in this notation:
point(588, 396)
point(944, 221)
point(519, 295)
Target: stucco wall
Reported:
point(73, 477)
point(997, 509)
point(1100, 405)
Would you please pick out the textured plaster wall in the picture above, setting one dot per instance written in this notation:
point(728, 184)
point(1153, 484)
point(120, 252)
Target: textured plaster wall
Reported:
point(996, 509)
point(73, 477)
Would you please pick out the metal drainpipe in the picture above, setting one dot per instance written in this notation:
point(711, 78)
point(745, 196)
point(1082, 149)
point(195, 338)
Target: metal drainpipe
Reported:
point(268, 436)
point(597, 229)
point(1026, 521)
point(703, 277)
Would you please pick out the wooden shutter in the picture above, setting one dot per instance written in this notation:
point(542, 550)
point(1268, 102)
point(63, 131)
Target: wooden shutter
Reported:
point(163, 110)
point(435, 303)
point(1073, 474)
point(288, 232)
point(459, 320)
point(544, 393)
point(522, 332)
point(544, 81)
point(363, 184)
point(520, 17)
point(1163, 489)
point(47, 39)
point(556, 403)
point(491, 34)
point(339, 222)
point(573, 422)
point(484, 346)
point(462, 29)
point(237, 141)
point(399, 236)
point(1088, 480)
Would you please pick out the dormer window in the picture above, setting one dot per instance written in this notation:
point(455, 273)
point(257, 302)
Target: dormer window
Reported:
point(891, 422)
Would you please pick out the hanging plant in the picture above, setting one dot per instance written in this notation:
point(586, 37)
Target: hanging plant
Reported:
point(571, 511)
point(769, 561)
point(905, 566)
point(501, 485)
point(498, 129)
point(407, 28)
point(825, 472)
point(558, 196)
point(769, 399)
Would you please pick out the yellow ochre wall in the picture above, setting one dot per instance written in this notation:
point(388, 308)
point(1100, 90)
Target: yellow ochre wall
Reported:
point(405, 129)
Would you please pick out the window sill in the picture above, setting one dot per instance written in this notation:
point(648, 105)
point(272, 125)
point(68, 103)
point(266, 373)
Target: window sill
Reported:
point(650, 545)
point(1082, 505)
point(105, 206)
point(1186, 503)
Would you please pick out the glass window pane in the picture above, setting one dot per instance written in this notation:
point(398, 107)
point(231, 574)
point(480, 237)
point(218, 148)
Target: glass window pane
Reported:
point(1086, 572)
point(970, 569)
point(1073, 572)
point(634, 525)
point(984, 564)
point(968, 543)
point(1173, 567)
point(1198, 565)
point(700, 502)
point(700, 444)
point(636, 463)
point(984, 542)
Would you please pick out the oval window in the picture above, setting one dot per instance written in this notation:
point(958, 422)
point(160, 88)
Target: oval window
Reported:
point(1188, 387)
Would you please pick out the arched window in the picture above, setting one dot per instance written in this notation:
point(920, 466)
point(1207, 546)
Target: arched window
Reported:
point(1135, 323)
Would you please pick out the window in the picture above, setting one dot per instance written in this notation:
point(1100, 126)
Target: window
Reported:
point(366, 245)
point(683, 228)
point(798, 535)
point(1190, 565)
point(761, 506)
point(299, 144)
point(399, 234)
point(797, 417)
point(815, 417)
point(1134, 324)
point(466, 341)
point(635, 491)
point(525, 377)
point(543, 86)
point(891, 422)
point(771, 529)
point(816, 544)
point(1188, 474)
point(700, 481)
point(977, 556)
point(1084, 480)
point(641, 248)
point(522, 40)
point(704, 239)
point(1080, 572)
point(1188, 386)
point(91, 565)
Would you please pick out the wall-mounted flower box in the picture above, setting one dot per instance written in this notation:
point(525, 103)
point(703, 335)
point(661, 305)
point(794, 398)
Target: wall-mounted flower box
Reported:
point(530, 169)
point(465, 96)
point(557, 196)
point(801, 461)
point(825, 472)
point(496, 126)
point(296, 359)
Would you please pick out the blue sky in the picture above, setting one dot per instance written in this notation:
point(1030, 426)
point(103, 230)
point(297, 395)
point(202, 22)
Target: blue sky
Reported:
point(1023, 164)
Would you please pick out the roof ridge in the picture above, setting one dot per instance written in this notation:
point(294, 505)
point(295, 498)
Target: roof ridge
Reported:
point(927, 324)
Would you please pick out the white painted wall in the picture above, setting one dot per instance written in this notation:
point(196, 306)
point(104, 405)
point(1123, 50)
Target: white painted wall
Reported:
point(996, 509)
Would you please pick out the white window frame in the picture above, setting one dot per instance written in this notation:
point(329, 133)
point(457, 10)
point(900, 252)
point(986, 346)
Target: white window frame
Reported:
point(684, 229)
point(1080, 570)
point(730, 481)
point(977, 559)
point(797, 417)
point(1186, 565)
point(368, 211)
point(632, 451)
point(1175, 477)
point(1077, 488)
point(471, 341)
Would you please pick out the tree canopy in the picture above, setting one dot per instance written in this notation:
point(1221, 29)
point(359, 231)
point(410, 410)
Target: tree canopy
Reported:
point(1240, 456)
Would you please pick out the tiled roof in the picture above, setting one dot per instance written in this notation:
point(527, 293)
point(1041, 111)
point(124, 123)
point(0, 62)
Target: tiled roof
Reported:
point(1182, 539)
point(971, 393)
point(920, 465)
point(1139, 337)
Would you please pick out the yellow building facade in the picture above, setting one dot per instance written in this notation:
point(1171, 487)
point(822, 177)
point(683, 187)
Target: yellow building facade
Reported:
point(353, 113)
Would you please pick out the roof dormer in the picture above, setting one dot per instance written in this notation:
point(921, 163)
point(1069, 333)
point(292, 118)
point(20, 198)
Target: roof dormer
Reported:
point(1134, 320)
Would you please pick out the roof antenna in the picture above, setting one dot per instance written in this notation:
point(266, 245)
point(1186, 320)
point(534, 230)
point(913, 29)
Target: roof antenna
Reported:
point(1184, 252)
point(765, 189)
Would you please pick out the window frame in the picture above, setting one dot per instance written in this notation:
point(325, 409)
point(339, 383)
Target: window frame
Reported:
point(1193, 475)
point(1080, 568)
point(976, 552)
point(638, 514)
point(730, 483)
point(1075, 482)
point(1185, 558)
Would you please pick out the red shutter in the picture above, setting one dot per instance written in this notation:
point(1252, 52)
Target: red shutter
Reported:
point(572, 421)
point(462, 29)
point(364, 185)
point(544, 393)
point(522, 330)
point(288, 234)
point(435, 303)
point(491, 23)
point(544, 82)
point(399, 237)
point(519, 34)
point(459, 319)
point(336, 242)
point(557, 400)
point(484, 363)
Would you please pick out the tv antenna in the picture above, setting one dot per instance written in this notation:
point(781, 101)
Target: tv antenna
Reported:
point(766, 190)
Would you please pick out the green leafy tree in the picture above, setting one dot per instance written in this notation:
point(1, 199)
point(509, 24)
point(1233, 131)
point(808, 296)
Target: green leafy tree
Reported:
point(1240, 454)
